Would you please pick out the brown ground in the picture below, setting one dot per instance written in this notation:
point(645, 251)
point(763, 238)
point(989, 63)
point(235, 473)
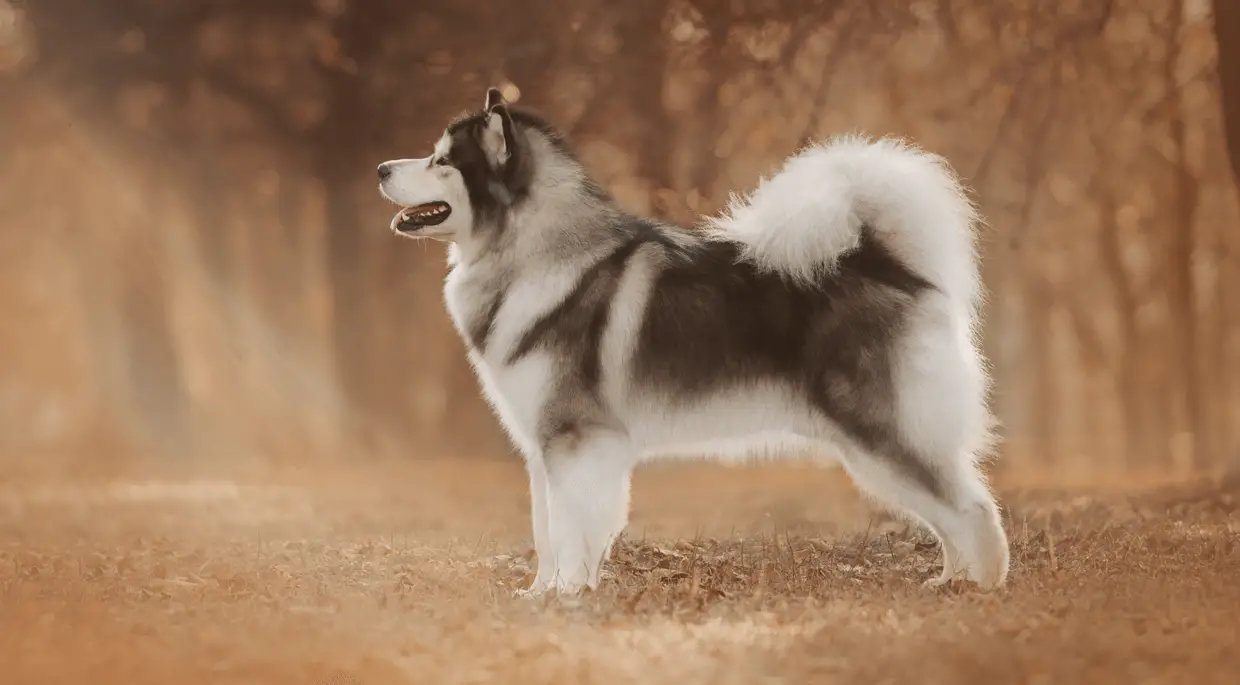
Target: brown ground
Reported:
point(403, 574)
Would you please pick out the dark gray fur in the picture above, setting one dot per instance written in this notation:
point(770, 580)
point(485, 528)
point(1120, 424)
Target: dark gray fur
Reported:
point(714, 321)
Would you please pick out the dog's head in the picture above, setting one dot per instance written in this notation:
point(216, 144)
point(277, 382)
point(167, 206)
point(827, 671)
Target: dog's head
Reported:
point(482, 167)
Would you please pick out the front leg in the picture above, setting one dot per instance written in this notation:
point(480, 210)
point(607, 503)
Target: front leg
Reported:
point(538, 518)
point(588, 473)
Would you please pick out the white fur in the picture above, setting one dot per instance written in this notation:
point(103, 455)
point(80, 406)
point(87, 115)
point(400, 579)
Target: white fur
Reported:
point(799, 223)
point(809, 214)
point(803, 219)
point(493, 139)
point(418, 181)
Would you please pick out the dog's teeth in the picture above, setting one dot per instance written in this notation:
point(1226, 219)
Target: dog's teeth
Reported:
point(412, 213)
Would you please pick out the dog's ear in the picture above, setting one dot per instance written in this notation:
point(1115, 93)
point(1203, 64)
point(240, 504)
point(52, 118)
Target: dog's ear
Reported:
point(495, 98)
point(498, 139)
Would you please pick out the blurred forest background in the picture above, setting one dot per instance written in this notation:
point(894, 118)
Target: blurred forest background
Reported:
point(196, 263)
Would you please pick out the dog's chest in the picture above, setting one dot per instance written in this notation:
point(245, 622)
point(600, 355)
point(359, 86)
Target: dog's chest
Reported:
point(470, 302)
point(492, 318)
point(480, 307)
point(494, 312)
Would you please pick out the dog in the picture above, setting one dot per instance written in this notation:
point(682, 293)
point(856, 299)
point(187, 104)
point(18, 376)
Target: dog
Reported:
point(836, 306)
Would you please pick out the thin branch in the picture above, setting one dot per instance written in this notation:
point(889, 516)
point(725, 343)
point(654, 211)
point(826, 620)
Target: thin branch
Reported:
point(819, 99)
point(1035, 168)
point(1005, 120)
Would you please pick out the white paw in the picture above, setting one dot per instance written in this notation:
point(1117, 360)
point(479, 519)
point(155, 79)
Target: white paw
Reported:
point(984, 581)
point(561, 587)
point(536, 589)
point(570, 588)
point(940, 581)
point(989, 578)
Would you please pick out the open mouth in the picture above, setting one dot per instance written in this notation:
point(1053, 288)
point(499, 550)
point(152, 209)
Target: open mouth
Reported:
point(412, 219)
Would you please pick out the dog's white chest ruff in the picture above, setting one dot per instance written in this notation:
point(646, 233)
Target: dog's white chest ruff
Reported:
point(516, 390)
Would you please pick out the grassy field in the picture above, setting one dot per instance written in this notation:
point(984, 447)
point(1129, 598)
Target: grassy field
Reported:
point(404, 574)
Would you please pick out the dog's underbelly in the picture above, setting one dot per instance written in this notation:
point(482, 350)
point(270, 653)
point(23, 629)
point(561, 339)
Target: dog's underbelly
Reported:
point(743, 422)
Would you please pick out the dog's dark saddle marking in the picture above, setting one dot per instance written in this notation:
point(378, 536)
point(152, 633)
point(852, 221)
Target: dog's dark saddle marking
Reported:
point(715, 320)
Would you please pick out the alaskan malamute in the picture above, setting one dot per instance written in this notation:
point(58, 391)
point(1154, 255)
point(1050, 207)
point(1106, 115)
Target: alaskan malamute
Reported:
point(836, 306)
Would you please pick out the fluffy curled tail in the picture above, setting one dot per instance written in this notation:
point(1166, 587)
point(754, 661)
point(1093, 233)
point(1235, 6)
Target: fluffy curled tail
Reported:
point(810, 213)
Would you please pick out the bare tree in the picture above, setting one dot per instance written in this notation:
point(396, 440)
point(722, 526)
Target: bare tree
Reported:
point(1227, 34)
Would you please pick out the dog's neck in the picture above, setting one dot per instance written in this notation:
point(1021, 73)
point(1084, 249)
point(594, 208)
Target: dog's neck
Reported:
point(538, 229)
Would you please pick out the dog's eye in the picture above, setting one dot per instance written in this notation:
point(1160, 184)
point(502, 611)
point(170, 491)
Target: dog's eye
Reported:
point(442, 161)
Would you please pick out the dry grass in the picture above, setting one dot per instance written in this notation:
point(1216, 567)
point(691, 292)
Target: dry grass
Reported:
point(405, 574)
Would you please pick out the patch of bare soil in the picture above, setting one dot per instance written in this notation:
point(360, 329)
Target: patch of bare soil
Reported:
point(405, 574)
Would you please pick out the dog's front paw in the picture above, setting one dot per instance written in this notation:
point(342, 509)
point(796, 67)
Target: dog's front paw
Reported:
point(537, 589)
point(563, 588)
point(570, 587)
point(941, 582)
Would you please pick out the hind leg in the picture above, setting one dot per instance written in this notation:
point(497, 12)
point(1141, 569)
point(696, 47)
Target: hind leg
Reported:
point(621, 520)
point(953, 501)
point(951, 561)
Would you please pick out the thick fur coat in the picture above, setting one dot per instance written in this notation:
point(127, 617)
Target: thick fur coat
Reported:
point(835, 307)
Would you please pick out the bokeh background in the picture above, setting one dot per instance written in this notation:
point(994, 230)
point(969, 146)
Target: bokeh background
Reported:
point(240, 443)
point(195, 263)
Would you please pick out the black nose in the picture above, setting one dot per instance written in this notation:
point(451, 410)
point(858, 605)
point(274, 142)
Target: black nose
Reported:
point(385, 170)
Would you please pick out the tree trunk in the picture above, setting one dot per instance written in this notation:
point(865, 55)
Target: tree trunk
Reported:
point(1227, 33)
point(340, 161)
